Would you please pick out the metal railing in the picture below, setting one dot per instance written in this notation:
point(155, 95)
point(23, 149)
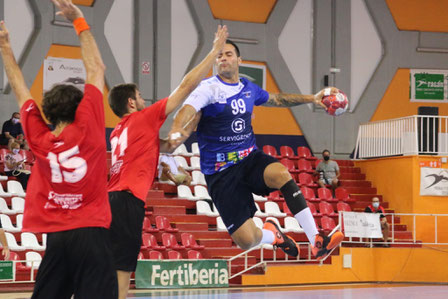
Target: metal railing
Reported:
point(411, 223)
point(412, 135)
point(263, 262)
point(31, 266)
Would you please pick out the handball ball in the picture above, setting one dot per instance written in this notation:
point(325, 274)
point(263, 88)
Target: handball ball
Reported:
point(336, 104)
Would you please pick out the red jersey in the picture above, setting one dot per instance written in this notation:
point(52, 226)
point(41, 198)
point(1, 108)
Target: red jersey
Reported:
point(68, 184)
point(135, 150)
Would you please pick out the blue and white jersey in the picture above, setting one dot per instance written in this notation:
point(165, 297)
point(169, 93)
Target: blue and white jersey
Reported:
point(225, 134)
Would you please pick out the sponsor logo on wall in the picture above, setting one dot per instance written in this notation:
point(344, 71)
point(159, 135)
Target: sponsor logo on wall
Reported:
point(181, 274)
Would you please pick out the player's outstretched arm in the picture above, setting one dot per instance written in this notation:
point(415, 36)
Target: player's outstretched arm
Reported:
point(13, 71)
point(194, 77)
point(184, 123)
point(89, 50)
point(291, 99)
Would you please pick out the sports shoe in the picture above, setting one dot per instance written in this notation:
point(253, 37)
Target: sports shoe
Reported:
point(285, 242)
point(324, 244)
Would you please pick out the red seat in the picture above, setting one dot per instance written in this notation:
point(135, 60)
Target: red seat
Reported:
point(155, 255)
point(325, 194)
point(140, 256)
point(13, 256)
point(275, 196)
point(28, 155)
point(147, 226)
point(163, 224)
point(304, 153)
point(289, 164)
point(150, 242)
point(306, 179)
point(174, 255)
point(343, 207)
point(169, 241)
point(342, 194)
point(271, 151)
point(313, 209)
point(326, 209)
point(327, 224)
point(194, 255)
point(287, 152)
point(3, 153)
point(309, 195)
point(286, 209)
point(304, 166)
point(189, 241)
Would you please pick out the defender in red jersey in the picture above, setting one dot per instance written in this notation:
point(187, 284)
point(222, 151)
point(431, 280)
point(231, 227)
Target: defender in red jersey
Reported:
point(135, 153)
point(66, 195)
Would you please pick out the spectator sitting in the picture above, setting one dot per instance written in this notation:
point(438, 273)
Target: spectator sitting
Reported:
point(170, 170)
point(12, 132)
point(14, 165)
point(328, 171)
point(375, 207)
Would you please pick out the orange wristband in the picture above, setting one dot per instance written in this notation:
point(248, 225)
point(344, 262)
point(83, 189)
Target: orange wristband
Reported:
point(80, 25)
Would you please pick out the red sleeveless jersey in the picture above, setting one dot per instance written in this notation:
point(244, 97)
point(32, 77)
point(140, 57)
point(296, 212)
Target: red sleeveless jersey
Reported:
point(68, 184)
point(135, 150)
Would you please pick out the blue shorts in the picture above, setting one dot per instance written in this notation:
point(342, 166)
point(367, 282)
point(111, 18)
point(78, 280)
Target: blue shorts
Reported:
point(231, 189)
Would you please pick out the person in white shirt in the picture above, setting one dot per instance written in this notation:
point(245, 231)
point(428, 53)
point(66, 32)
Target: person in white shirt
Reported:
point(169, 170)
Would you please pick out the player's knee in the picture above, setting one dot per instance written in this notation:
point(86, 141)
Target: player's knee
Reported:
point(247, 242)
point(281, 177)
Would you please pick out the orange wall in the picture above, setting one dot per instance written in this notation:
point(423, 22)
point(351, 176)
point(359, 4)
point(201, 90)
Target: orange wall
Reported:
point(398, 180)
point(256, 11)
point(396, 103)
point(273, 121)
point(427, 15)
point(368, 264)
point(72, 53)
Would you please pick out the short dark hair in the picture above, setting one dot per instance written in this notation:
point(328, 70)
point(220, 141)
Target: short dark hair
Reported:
point(12, 116)
point(237, 50)
point(60, 103)
point(118, 98)
point(325, 151)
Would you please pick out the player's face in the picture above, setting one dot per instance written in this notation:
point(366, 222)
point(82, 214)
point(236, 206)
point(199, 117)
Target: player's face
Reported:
point(227, 62)
point(139, 101)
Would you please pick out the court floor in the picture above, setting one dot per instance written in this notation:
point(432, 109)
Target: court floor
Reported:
point(346, 291)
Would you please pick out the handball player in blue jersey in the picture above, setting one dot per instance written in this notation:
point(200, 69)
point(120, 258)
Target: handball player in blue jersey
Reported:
point(234, 167)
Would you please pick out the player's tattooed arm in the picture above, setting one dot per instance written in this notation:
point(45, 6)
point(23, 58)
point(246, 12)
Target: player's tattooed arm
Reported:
point(291, 99)
point(288, 100)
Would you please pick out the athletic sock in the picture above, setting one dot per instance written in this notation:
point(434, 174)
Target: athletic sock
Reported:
point(268, 237)
point(306, 221)
point(298, 207)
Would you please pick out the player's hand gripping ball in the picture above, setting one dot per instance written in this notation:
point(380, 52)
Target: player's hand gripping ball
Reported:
point(336, 104)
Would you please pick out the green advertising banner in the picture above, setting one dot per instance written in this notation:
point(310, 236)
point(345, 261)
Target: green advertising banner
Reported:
point(254, 73)
point(152, 274)
point(429, 86)
point(6, 270)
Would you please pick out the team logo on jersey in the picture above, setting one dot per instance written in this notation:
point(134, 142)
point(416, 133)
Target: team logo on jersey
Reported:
point(247, 94)
point(63, 201)
point(58, 144)
point(222, 97)
point(238, 125)
point(29, 108)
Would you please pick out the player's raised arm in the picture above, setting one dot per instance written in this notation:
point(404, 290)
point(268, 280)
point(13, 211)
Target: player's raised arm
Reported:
point(194, 77)
point(13, 71)
point(184, 123)
point(289, 99)
point(89, 50)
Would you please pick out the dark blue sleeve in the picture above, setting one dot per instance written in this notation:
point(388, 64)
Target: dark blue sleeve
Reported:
point(262, 95)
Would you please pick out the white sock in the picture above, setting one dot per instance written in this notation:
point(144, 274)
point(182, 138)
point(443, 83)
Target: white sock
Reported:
point(306, 221)
point(268, 237)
